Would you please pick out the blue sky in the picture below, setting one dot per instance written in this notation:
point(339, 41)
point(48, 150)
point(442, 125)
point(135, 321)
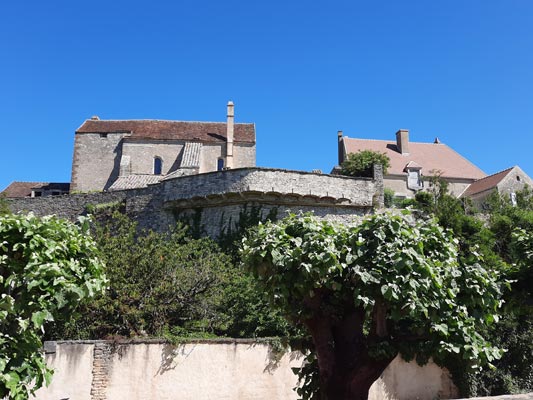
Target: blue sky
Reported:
point(459, 70)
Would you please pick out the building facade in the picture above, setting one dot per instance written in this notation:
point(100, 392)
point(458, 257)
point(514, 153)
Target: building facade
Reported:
point(128, 154)
point(411, 162)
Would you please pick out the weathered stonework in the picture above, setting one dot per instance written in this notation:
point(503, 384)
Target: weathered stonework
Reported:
point(216, 201)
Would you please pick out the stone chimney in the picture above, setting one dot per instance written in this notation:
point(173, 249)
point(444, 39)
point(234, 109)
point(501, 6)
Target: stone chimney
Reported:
point(229, 143)
point(340, 146)
point(402, 141)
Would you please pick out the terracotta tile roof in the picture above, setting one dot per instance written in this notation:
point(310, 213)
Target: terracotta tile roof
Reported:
point(134, 181)
point(168, 130)
point(24, 189)
point(430, 156)
point(486, 183)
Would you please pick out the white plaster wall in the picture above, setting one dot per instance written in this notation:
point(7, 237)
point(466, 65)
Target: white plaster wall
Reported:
point(219, 370)
point(72, 377)
point(409, 381)
point(201, 371)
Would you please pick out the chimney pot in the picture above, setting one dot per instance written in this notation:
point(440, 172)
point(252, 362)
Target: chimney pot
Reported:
point(402, 141)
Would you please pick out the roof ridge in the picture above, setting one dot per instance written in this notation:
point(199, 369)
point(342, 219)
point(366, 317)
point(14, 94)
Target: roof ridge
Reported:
point(496, 173)
point(163, 120)
point(394, 141)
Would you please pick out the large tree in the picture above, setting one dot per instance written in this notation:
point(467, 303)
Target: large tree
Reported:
point(368, 292)
point(47, 265)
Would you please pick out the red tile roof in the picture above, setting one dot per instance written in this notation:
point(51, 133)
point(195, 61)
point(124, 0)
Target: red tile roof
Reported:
point(430, 156)
point(24, 189)
point(486, 183)
point(168, 130)
point(20, 189)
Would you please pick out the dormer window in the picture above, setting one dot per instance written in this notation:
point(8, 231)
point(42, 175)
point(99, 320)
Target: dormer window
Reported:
point(158, 166)
point(414, 176)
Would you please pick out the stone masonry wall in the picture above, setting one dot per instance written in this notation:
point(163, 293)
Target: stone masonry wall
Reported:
point(96, 161)
point(216, 201)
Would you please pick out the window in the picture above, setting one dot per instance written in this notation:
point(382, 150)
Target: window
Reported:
point(103, 135)
point(414, 180)
point(158, 166)
point(220, 164)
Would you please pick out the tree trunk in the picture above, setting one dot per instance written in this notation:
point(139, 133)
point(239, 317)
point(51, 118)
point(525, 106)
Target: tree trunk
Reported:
point(346, 370)
point(355, 384)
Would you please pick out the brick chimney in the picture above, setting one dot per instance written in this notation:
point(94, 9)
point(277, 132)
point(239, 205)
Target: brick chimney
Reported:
point(229, 143)
point(402, 141)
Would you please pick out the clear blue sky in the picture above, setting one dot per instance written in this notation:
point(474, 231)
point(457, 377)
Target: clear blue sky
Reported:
point(300, 70)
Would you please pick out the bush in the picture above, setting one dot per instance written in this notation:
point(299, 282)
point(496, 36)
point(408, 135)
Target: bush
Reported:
point(360, 164)
point(47, 266)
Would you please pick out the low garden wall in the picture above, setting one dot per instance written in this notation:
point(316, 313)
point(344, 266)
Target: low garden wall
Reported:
point(207, 369)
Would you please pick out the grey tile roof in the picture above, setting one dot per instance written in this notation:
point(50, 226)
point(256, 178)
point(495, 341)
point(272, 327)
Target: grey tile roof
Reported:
point(134, 181)
point(191, 155)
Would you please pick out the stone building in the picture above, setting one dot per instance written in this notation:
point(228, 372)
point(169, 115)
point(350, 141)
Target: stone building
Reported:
point(506, 183)
point(127, 154)
point(410, 162)
point(35, 189)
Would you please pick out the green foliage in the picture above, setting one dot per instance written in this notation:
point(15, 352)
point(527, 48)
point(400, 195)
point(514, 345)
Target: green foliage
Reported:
point(159, 283)
point(4, 206)
point(360, 163)
point(503, 239)
point(404, 277)
point(47, 266)
point(388, 195)
point(170, 285)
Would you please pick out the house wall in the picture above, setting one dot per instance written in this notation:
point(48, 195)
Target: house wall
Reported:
point(207, 369)
point(211, 152)
point(142, 154)
point(243, 156)
point(510, 184)
point(96, 161)
point(399, 185)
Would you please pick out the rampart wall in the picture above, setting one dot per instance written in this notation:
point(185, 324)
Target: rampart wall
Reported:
point(215, 202)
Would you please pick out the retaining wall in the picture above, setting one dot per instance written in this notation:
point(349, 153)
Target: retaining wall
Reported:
point(215, 202)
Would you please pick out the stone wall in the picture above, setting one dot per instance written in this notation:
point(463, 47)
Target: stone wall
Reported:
point(207, 369)
point(96, 160)
point(215, 202)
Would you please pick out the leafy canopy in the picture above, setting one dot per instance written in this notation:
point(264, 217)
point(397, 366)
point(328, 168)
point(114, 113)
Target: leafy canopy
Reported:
point(402, 278)
point(47, 265)
point(360, 163)
point(168, 284)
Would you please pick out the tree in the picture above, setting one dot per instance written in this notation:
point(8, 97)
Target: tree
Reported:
point(360, 163)
point(368, 292)
point(4, 205)
point(168, 284)
point(47, 265)
point(159, 283)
